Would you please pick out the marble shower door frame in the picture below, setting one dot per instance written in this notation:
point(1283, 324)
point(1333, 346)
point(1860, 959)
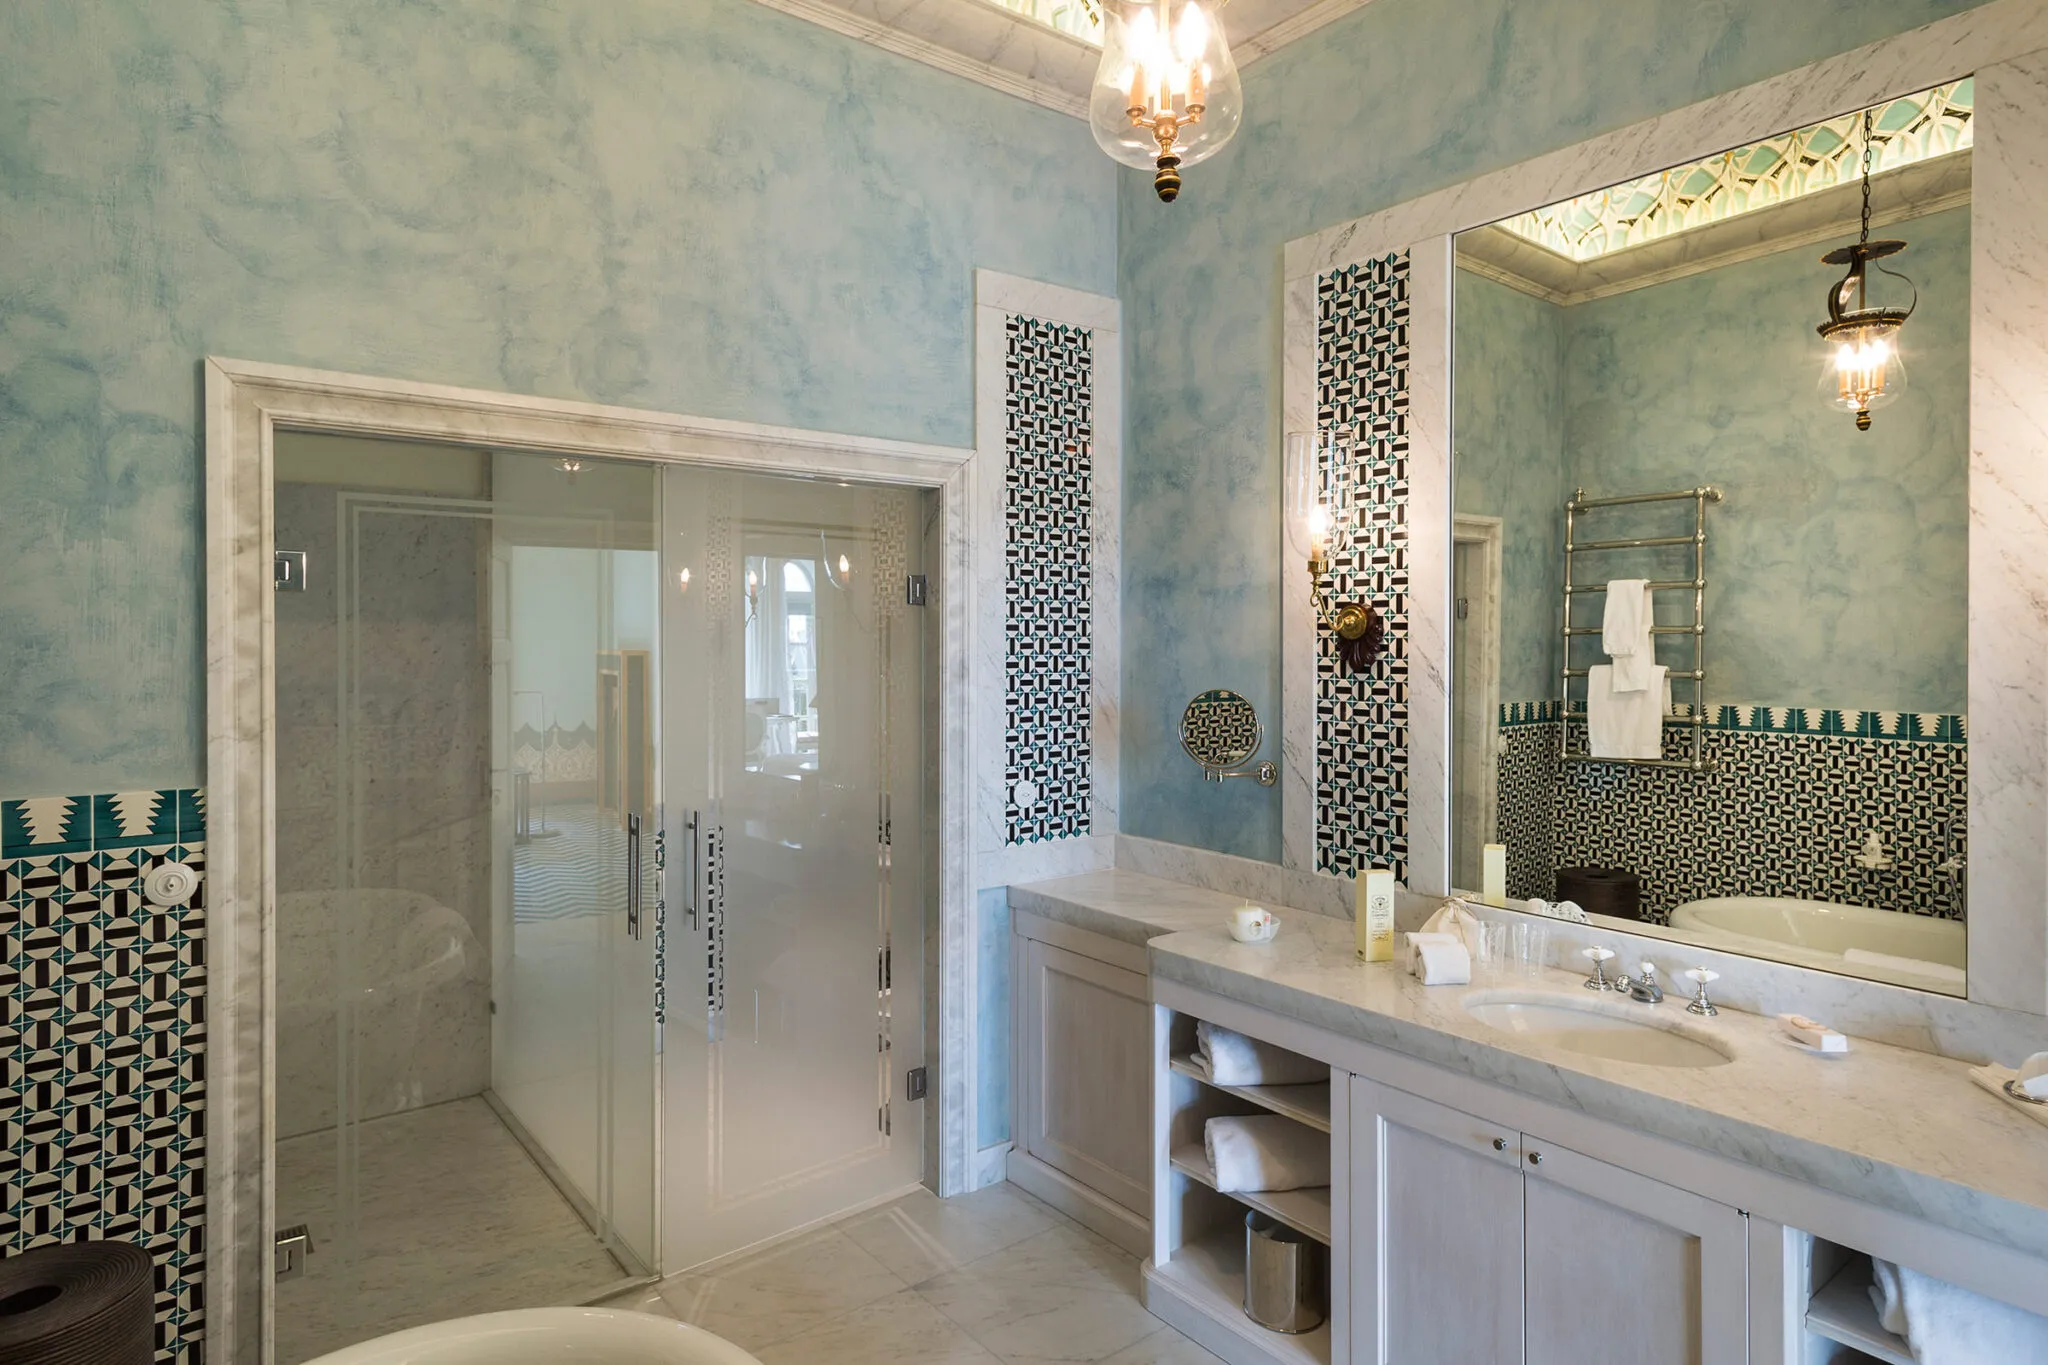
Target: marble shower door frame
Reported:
point(246, 404)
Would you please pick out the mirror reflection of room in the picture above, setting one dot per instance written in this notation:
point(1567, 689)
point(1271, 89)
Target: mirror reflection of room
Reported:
point(1710, 547)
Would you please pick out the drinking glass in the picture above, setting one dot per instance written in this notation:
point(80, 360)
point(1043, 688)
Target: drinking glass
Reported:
point(1532, 948)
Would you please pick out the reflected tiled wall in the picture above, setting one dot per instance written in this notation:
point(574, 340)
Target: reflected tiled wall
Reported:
point(104, 1091)
point(1783, 813)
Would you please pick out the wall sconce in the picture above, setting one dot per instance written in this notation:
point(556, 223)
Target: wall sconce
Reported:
point(753, 596)
point(683, 580)
point(1319, 499)
point(840, 577)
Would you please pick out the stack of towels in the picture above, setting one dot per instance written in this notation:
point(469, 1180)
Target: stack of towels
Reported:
point(1260, 1152)
point(1947, 1325)
point(1228, 1058)
point(1628, 698)
point(1440, 953)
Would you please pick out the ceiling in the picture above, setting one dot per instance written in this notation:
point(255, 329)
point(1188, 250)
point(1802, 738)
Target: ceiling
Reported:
point(1009, 49)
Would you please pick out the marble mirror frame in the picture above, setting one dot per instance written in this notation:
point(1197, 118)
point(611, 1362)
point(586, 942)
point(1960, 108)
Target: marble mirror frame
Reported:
point(2005, 45)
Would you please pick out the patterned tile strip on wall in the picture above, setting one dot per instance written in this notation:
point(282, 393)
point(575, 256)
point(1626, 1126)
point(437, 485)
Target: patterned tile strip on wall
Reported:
point(1794, 791)
point(1361, 720)
point(1048, 573)
point(104, 1092)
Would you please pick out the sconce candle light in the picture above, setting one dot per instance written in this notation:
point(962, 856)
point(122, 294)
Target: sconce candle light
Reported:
point(1318, 484)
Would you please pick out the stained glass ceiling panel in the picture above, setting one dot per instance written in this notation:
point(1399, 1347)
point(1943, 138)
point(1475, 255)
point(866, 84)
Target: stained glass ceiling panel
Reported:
point(1805, 161)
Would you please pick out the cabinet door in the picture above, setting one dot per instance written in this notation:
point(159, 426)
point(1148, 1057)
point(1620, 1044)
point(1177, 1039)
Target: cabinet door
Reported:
point(1088, 1067)
point(1625, 1270)
point(1436, 1233)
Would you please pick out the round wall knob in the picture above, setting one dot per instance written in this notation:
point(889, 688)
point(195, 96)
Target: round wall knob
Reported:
point(170, 884)
point(1500, 1144)
point(1535, 1158)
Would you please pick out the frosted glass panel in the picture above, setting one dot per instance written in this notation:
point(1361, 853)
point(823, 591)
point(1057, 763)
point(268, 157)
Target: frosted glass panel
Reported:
point(795, 738)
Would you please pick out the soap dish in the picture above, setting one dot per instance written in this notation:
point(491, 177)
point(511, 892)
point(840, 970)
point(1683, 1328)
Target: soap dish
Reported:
point(1798, 1046)
point(2012, 1089)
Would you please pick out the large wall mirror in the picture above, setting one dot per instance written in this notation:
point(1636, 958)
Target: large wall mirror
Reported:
point(1711, 573)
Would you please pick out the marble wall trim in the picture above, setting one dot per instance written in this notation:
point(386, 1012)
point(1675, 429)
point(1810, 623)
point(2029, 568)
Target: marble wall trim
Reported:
point(245, 405)
point(994, 858)
point(2002, 43)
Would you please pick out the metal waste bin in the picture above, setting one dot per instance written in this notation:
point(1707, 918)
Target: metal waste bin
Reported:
point(1283, 1276)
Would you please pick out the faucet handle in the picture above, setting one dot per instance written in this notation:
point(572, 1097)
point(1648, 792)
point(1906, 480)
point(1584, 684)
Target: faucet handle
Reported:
point(1700, 1005)
point(1599, 957)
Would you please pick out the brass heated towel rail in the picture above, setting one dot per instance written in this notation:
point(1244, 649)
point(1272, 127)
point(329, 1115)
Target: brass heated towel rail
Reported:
point(1696, 585)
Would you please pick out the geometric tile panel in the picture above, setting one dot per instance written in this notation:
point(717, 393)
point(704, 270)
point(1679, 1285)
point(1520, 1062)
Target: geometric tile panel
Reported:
point(1792, 794)
point(1048, 580)
point(1361, 719)
point(103, 1087)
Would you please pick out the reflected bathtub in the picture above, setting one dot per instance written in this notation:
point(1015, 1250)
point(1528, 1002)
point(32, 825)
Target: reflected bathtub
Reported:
point(547, 1336)
point(1879, 945)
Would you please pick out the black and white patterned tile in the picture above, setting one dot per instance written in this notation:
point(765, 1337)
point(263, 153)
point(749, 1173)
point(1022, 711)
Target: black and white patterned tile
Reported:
point(1048, 580)
point(104, 1087)
point(1783, 812)
point(1361, 719)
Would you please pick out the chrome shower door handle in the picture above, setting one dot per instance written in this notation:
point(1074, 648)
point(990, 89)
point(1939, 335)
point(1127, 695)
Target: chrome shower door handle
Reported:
point(632, 875)
point(694, 905)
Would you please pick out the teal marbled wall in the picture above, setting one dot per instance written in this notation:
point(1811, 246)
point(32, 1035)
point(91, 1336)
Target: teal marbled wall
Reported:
point(1837, 569)
point(692, 205)
point(1397, 99)
point(1507, 368)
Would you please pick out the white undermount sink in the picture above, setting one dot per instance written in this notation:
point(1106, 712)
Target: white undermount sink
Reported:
point(1598, 1028)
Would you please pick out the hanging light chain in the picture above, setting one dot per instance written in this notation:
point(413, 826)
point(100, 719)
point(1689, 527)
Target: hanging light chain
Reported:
point(1866, 177)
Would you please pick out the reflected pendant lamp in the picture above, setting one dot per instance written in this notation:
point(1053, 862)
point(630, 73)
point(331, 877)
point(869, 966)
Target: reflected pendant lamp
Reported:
point(1166, 94)
point(1863, 370)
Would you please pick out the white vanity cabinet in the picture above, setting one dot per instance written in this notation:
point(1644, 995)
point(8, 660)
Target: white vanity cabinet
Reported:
point(1082, 1118)
point(1472, 1241)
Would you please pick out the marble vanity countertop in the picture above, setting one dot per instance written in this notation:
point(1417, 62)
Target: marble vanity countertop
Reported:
point(1127, 906)
point(1903, 1130)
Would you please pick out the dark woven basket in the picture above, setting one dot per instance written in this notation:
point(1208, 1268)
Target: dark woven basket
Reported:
point(78, 1303)
point(1602, 890)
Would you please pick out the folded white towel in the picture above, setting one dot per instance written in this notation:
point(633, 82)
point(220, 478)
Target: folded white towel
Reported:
point(1564, 910)
point(1438, 963)
point(2033, 1075)
point(1945, 1324)
point(1933, 971)
point(1625, 633)
point(1626, 724)
point(1410, 942)
point(1453, 918)
point(1993, 1078)
point(1265, 1152)
point(1232, 1059)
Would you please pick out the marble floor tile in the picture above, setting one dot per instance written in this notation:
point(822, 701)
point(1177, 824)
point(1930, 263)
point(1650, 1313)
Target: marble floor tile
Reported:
point(645, 1299)
point(922, 1235)
point(450, 1217)
point(1063, 1295)
point(1163, 1347)
point(784, 1291)
point(900, 1330)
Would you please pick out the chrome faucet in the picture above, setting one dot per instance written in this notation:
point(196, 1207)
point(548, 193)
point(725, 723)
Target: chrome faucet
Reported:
point(1642, 987)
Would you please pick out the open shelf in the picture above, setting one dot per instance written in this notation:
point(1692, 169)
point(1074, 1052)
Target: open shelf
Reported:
point(1207, 1277)
point(1309, 1104)
point(1306, 1211)
point(1842, 1311)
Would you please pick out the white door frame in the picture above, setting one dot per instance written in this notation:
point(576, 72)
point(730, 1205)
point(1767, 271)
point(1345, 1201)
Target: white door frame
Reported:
point(1482, 674)
point(247, 403)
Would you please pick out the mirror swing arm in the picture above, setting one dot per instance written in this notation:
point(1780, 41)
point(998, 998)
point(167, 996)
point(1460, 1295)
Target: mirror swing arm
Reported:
point(1222, 732)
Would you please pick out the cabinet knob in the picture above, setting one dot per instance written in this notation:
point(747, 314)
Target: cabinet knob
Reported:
point(1500, 1144)
point(1535, 1158)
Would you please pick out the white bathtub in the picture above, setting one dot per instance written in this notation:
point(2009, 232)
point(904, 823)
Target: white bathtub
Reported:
point(1927, 952)
point(547, 1336)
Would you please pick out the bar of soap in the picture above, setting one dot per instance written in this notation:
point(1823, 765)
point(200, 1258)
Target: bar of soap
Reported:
point(1811, 1033)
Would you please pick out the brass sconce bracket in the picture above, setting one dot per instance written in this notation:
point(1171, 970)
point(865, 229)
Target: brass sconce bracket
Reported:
point(1360, 629)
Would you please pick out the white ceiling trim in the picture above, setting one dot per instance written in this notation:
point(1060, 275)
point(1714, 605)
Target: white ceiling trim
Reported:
point(1006, 51)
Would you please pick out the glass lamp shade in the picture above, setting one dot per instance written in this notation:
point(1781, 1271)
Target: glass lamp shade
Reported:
point(1318, 488)
point(1863, 370)
point(1167, 94)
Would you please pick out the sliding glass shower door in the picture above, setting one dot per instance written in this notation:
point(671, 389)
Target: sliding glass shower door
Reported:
point(793, 981)
point(466, 737)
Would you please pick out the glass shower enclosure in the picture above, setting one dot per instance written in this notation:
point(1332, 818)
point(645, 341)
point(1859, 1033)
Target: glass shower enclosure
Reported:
point(467, 724)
